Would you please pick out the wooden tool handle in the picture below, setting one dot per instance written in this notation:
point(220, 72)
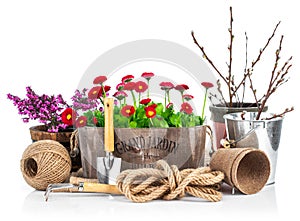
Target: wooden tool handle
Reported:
point(109, 124)
point(100, 188)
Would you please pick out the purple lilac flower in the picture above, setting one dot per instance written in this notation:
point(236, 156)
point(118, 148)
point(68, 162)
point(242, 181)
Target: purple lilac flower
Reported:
point(46, 109)
point(82, 102)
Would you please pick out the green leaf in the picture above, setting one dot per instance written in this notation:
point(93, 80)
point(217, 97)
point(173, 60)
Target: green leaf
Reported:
point(140, 113)
point(159, 109)
point(176, 120)
point(159, 122)
point(198, 120)
point(132, 124)
point(120, 121)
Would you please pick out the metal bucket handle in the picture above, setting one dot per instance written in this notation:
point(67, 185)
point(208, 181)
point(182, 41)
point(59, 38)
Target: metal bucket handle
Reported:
point(226, 143)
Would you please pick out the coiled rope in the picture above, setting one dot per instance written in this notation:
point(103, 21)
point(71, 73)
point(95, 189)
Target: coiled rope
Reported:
point(167, 182)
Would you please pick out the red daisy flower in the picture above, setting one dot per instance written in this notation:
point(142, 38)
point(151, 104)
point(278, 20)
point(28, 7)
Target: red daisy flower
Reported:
point(153, 105)
point(98, 91)
point(100, 80)
point(181, 87)
point(94, 92)
point(127, 78)
point(140, 86)
point(170, 105)
point(120, 86)
point(187, 108)
point(81, 121)
point(145, 101)
point(147, 75)
point(120, 95)
point(129, 86)
point(95, 121)
point(67, 116)
point(166, 85)
point(187, 97)
point(127, 110)
point(106, 88)
point(150, 112)
point(207, 84)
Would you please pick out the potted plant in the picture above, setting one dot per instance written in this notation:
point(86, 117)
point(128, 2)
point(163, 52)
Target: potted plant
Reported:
point(145, 130)
point(233, 100)
point(54, 115)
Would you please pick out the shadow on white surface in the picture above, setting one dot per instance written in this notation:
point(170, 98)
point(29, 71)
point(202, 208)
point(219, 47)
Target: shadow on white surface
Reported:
point(75, 205)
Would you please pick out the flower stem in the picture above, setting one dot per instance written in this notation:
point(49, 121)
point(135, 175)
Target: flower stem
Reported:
point(203, 108)
point(148, 91)
point(103, 91)
point(151, 122)
point(165, 100)
point(139, 98)
point(134, 99)
point(101, 101)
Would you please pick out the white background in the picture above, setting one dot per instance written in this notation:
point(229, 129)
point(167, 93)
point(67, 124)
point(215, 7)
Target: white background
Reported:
point(50, 44)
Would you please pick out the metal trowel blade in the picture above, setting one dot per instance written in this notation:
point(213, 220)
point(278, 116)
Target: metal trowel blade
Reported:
point(108, 169)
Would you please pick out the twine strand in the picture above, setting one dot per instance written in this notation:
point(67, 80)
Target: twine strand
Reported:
point(74, 144)
point(167, 182)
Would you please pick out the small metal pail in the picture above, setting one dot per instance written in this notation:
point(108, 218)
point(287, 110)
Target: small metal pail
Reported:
point(263, 134)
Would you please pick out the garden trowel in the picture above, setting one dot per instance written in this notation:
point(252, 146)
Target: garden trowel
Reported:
point(108, 167)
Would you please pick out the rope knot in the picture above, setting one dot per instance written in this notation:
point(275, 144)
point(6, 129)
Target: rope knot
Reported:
point(167, 182)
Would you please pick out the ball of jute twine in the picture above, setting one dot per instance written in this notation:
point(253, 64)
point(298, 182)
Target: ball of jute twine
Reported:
point(167, 182)
point(45, 162)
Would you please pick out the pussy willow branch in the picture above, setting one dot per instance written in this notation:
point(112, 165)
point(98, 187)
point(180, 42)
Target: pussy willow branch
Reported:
point(245, 69)
point(248, 71)
point(266, 45)
point(279, 115)
point(277, 80)
point(283, 69)
point(249, 74)
point(220, 90)
point(277, 53)
point(207, 58)
point(230, 79)
point(211, 96)
point(254, 62)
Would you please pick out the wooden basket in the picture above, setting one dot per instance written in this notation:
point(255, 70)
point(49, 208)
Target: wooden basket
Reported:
point(40, 133)
point(142, 147)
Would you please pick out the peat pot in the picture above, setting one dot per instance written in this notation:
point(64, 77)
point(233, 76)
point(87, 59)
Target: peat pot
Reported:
point(260, 134)
point(40, 133)
point(218, 122)
point(142, 147)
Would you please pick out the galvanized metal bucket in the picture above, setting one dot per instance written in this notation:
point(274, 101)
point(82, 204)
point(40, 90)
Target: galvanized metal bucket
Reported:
point(261, 134)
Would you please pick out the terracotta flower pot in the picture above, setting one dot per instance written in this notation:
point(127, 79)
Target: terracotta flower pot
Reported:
point(40, 133)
